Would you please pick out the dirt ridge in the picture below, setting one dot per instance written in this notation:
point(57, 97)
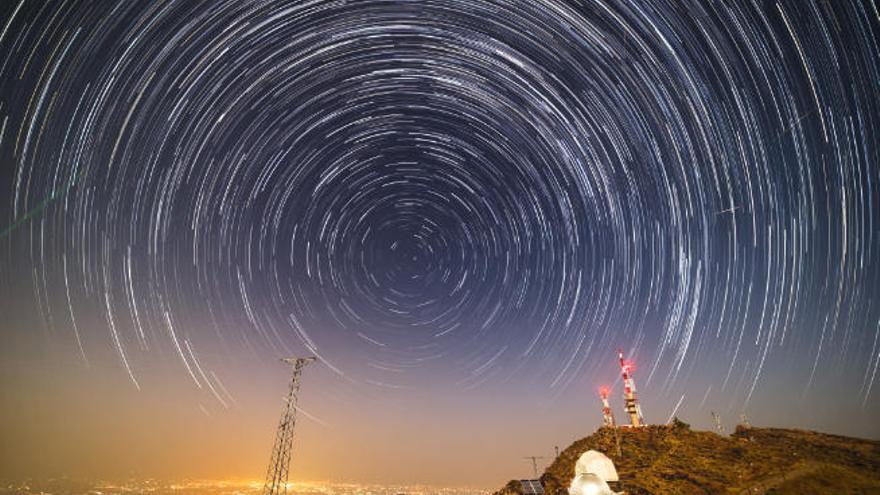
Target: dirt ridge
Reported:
point(675, 460)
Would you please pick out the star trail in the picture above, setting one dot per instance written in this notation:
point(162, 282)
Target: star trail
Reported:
point(488, 190)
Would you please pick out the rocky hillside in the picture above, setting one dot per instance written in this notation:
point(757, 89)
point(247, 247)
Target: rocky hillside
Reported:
point(670, 460)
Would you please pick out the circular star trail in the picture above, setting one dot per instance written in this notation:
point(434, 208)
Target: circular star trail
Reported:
point(483, 187)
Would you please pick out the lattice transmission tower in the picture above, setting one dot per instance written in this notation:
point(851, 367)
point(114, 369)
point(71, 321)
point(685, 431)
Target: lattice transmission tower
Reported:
point(279, 466)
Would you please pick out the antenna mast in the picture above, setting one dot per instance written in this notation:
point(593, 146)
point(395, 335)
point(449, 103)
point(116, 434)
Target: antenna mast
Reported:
point(632, 406)
point(279, 465)
point(534, 460)
point(716, 418)
point(607, 414)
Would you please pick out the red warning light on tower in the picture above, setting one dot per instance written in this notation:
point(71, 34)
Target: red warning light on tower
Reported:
point(607, 414)
point(632, 407)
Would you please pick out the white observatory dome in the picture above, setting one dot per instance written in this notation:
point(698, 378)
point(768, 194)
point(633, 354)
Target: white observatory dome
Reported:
point(589, 484)
point(596, 463)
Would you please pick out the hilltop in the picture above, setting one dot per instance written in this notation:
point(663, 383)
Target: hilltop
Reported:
point(673, 460)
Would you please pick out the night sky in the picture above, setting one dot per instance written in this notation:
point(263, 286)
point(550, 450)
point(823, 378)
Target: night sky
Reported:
point(463, 208)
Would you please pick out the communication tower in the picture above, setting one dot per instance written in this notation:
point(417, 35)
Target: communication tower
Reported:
point(534, 460)
point(607, 414)
point(716, 418)
point(632, 407)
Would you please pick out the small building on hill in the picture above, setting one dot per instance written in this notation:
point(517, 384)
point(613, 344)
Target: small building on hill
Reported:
point(589, 484)
point(595, 462)
point(592, 473)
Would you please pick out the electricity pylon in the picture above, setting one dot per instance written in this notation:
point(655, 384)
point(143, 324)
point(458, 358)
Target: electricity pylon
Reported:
point(279, 466)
